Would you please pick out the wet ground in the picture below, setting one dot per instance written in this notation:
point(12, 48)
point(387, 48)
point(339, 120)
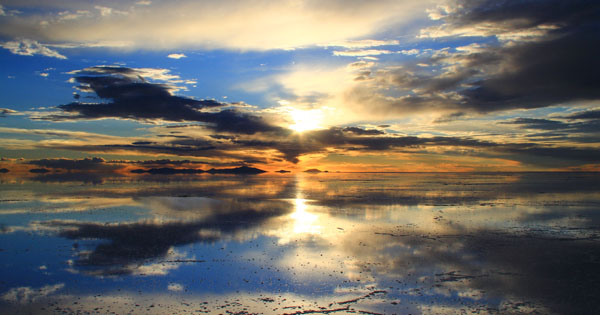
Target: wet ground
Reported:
point(301, 244)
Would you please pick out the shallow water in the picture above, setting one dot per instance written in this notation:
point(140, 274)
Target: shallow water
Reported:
point(296, 244)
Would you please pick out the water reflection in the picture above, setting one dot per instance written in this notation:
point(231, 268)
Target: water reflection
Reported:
point(304, 221)
point(133, 245)
point(380, 243)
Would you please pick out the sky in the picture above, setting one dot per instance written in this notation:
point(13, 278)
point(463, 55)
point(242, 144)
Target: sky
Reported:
point(408, 86)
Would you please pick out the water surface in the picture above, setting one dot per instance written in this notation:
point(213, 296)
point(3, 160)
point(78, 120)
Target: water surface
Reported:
point(292, 244)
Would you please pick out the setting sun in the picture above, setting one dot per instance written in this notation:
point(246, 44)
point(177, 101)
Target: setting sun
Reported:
point(305, 120)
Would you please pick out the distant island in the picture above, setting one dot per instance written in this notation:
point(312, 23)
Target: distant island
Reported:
point(243, 170)
point(283, 171)
point(313, 170)
point(237, 170)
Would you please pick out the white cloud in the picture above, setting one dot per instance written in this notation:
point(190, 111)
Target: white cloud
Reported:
point(362, 52)
point(106, 11)
point(354, 44)
point(44, 74)
point(4, 12)
point(410, 52)
point(176, 287)
point(68, 15)
point(227, 24)
point(25, 295)
point(176, 56)
point(27, 47)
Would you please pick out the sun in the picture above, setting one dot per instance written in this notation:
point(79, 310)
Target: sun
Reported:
point(305, 120)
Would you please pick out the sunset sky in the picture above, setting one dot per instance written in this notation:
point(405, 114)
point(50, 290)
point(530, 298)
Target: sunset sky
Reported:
point(341, 85)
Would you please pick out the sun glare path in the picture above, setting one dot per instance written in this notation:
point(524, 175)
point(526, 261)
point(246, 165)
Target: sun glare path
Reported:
point(305, 120)
point(304, 220)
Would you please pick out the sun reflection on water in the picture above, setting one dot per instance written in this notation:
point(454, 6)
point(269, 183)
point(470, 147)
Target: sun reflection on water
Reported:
point(304, 221)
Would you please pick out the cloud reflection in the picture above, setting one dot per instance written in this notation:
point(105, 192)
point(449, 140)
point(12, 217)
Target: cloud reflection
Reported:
point(514, 243)
point(131, 245)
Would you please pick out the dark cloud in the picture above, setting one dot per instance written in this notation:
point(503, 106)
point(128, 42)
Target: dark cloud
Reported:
point(87, 164)
point(336, 138)
point(538, 79)
point(168, 171)
point(363, 132)
point(222, 137)
point(590, 114)
point(186, 148)
point(537, 123)
point(515, 15)
point(552, 155)
point(555, 63)
point(39, 170)
point(450, 117)
point(588, 126)
point(159, 162)
point(340, 140)
point(127, 95)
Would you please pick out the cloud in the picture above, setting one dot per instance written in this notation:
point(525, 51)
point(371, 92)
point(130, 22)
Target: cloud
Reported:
point(168, 171)
point(237, 149)
point(26, 295)
point(246, 25)
point(4, 12)
point(6, 111)
point(176, 56)
point(589, 114)
point(355, 44)
point(175, 287)
point(143, 74)
point(410, 51)
point(107, 11)
point(39, 170)
point(130, 244)
point(27, 47)
point(520, 73)
point(499, 73)
point(591, 126)
point(79, 135)
point(130, 96)
point(537, 123)
point(361, 52)
point(160, 162)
